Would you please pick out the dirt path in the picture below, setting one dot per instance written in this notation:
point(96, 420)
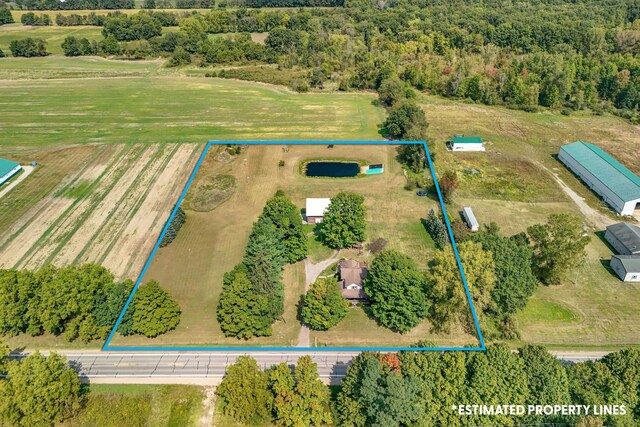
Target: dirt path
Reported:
point(312, 271)
point(208, 407)
point(594, 217)
point(26, 172)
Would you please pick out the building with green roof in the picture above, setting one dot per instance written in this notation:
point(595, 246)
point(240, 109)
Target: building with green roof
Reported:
point(8, 168)
point(616, 184)
point(466, 143)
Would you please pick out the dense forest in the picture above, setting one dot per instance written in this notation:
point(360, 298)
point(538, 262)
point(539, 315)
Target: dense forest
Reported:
point(560, 54)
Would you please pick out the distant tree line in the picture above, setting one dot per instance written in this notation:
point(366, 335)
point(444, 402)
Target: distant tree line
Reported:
point(166, 19)
point(34, 20)
point(80, 302)
point(74, 4)
point(252, 296)
point(28, 47)
point(412, 388)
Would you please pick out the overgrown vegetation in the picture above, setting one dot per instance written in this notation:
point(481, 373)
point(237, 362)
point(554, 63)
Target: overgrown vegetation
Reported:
point(210, 192)
point(175, 225)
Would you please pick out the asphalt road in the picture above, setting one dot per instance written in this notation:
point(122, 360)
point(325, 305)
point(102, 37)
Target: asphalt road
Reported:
point(208, 367)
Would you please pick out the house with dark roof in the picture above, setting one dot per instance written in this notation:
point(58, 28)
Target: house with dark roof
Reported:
point(617, 185)
point(352, 276)
point(627, 267)
point(624, 237)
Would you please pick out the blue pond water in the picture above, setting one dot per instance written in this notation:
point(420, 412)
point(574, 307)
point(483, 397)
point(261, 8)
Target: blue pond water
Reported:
point(332, 169)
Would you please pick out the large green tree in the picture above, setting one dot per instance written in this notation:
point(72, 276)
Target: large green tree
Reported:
point(448, 298)
point(155, 311)
point(324, 306)
point(397, 291)
point(40, 391)
point(407, 121)
point(242, 312)
point(286, 217)
point(244, 391)
point(558, 246)
point(5, 16)
point(344, 222)
point(515, 282)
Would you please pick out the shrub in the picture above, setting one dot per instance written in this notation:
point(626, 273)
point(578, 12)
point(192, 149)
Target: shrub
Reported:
point(176, 224)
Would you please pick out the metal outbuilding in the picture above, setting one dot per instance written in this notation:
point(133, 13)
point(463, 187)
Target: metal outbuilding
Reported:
point(470, 219)
point(8, 169)
point(616, 184)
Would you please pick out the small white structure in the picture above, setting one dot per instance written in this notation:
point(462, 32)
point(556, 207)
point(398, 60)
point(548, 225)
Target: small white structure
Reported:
point(627, 267)
point(624, 237)
point(466, 143)
point(315, 209)
point(470, 219)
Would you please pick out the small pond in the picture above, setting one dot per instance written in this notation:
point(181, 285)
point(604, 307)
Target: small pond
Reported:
point(332, 169)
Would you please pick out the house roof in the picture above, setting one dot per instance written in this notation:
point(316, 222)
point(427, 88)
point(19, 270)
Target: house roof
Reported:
point(317, 207)
point(630, 263)
point(7, 166)
point(352, 272)
point(624, 183)
point(627, 234)
point(466, 140)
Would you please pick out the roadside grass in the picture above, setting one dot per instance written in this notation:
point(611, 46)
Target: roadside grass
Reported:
point(139, 405)
point(211, 243)
point(169, 109)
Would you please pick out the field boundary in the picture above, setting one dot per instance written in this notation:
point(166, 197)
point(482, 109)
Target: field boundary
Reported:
point(482, 347)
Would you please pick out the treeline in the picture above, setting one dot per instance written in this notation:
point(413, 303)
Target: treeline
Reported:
point(166, 19)
point(80, 302)
point(28, 47)
point(5, 16)
point(74, 4)
point(252, 296)
point(423, 388)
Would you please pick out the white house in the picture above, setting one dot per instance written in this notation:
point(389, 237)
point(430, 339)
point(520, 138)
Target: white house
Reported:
point(315, 209)
point(466, 143)
point(617, 185)
point(627, 267)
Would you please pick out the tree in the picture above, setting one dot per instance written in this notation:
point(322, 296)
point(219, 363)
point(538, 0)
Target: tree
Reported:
point(265, 255)
point(344, 221)
point(301, 399)
point(242, 312)
point(393, 90)
point(73, 46)
point(396, 289)
point(28, 47)
point(625, 366)
point(558, 246)
point(4, 357)
point(179, 57)
point(5, 16)
point(437, 229)
point(373, 394)
point(548, 383)
point(2, 55)
point(446, 292)
point(448, 185)
point(110, 46)
point(178, 220)
point(413, 156)
point(244, 391)
point(323, 306)
point(286, 217)
point(406, 121)
point(149, 4)
point(40, 391)
point(155, 311)
point(515, 282)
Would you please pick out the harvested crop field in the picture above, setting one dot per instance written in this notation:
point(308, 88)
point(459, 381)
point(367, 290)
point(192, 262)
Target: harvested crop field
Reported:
point(108, 207)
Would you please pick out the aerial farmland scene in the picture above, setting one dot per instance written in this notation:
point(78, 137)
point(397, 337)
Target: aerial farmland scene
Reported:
point(319, 213)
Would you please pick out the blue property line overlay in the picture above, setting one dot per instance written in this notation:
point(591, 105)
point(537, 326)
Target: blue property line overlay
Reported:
point(108, 347)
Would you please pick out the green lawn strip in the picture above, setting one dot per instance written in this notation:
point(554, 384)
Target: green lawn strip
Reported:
point(134, 209)
point(46, 190)
point(95, 202)
point(132, 188)
point(55, 224)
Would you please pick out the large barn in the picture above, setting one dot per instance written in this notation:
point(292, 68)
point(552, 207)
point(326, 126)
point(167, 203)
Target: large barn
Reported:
point(8, 169)
point(616, 184)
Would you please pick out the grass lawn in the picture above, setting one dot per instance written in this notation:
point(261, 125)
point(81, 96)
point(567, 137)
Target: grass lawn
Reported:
point(140, 405)
point(211, 243)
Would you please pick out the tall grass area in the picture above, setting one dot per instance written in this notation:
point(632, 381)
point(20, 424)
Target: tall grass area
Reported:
point(140, 405)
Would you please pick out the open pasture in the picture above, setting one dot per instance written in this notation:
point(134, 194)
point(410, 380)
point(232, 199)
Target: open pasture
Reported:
point(211, 243)
point(53, 35)
point(108, 207)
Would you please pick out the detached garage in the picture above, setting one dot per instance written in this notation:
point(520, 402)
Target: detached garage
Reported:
point(616, 184)
point(627, 267)
point(8, 169)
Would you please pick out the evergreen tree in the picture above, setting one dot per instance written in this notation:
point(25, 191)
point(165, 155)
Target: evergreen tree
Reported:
point(286, 217)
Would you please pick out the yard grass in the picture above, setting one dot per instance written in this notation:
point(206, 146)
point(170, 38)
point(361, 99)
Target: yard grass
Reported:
point(140, 405)
point(211, 243)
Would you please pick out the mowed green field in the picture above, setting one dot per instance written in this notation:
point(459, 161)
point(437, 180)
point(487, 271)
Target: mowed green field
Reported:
point(593, 308)
point(169, 109)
